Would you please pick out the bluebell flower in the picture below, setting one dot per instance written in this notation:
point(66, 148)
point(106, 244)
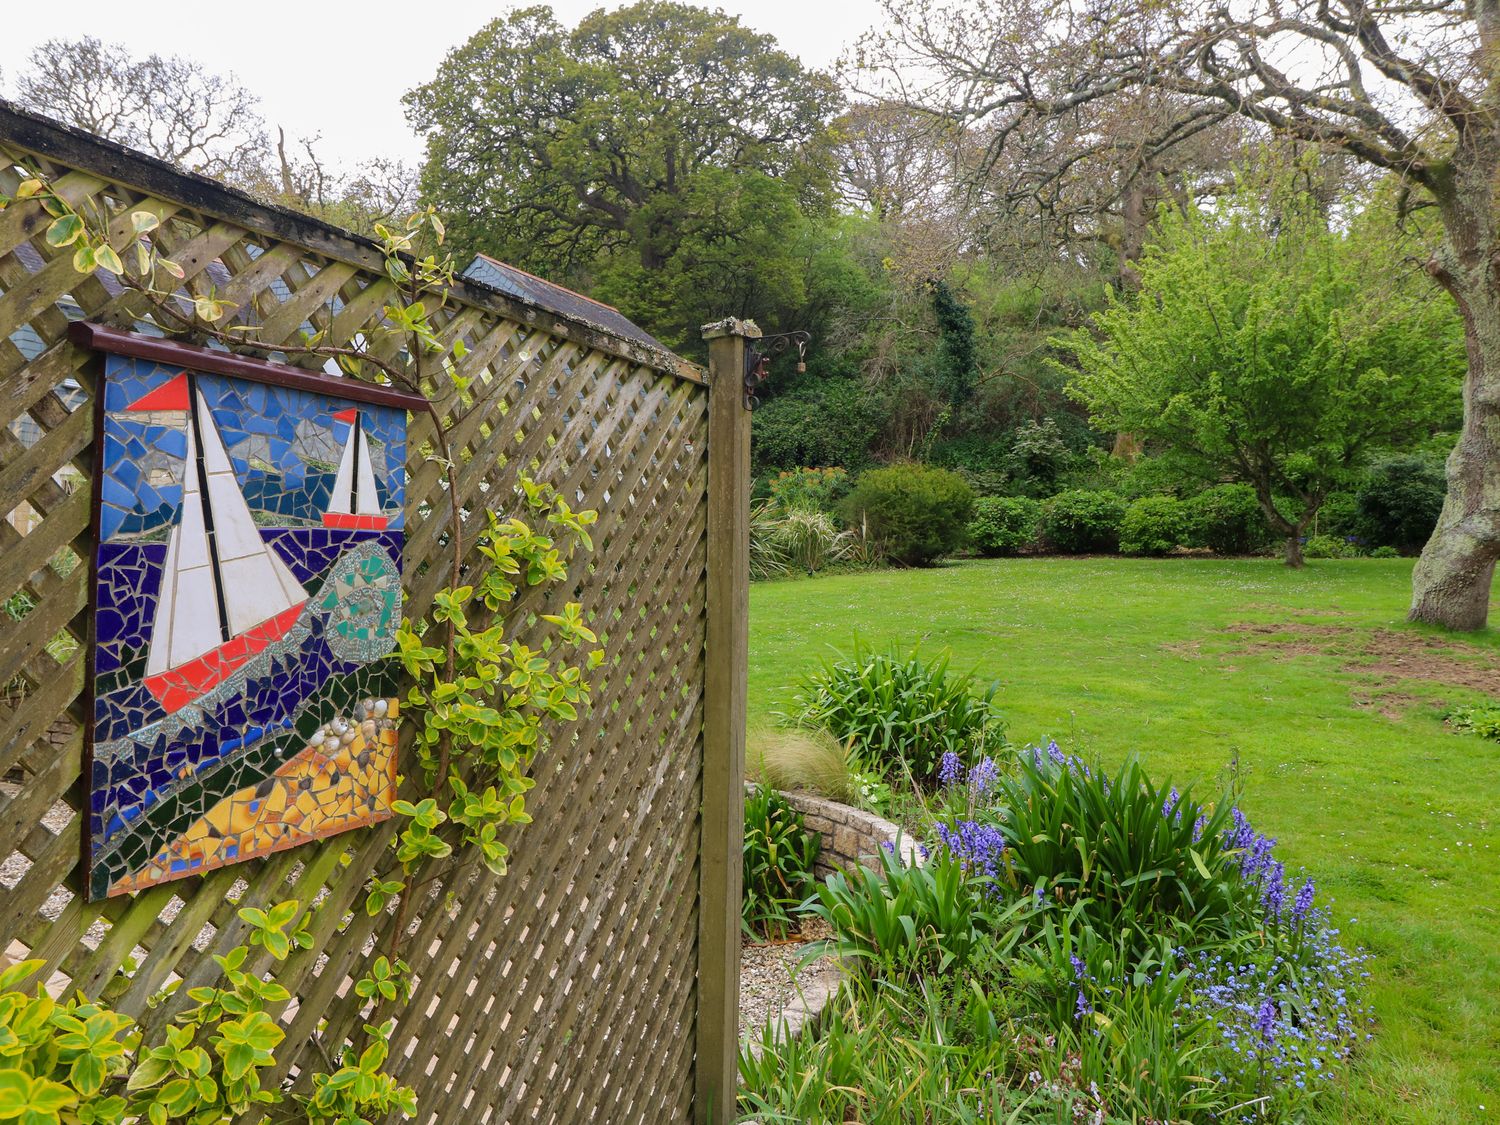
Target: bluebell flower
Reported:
point(1304, 901)
point(950, 768)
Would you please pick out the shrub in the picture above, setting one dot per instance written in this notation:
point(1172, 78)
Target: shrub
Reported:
point(1338, 516)
point(1004, 525)
point(784, 758)
point(1153, 525)
point(768, 557)
point(795, 539)
point(814, 490)
point(1161, 916)
point(901, 712)
point(1082, 522)
point(1038, 457)
point(1385, 553)
point(916, 513)
point(1226, 519)
point(1400, 501)
point(1328, 547)
point(779, 858)
point(905, 918)
point(819, 420)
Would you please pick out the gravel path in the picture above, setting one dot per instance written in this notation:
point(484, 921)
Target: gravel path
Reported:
point(770, 980)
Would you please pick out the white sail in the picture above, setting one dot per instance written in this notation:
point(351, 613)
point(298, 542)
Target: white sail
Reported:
point(342, 499)
point(367, 502)
point(251, 578)
point(354, 490)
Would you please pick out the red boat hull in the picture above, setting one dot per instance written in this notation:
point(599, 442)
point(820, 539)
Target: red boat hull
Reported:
point(175, 688)
point(347, 522)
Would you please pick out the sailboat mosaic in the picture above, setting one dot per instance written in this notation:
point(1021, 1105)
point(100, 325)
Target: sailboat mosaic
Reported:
point(248, 595)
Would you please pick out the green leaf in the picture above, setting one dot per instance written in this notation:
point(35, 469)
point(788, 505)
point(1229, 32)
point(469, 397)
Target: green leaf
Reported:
point(15, 1092)
point(84, 260)
point(64, 231)
point(1199, 864)
point(13, 975)
point(143, 222)
point(107, 259)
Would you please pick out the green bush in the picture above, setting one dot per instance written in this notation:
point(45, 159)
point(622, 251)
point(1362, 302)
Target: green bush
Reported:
point(1004, 525)
point(779, 858)
point(1338, 516)
point(914, 512)
point(1385, 553)
point(1483, 720)
point(819, 420)
point(815, 490)
point(1153, 525)
point(1400, 501)
point(1226, 519)
point(1082, 522)
point(901, 712)
point(1328, 547)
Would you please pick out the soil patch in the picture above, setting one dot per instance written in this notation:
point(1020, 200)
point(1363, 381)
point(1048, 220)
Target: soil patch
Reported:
point(1383, 658)
point(1405, 656)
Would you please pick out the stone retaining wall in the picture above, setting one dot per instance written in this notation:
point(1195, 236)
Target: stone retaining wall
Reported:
point(851, 837)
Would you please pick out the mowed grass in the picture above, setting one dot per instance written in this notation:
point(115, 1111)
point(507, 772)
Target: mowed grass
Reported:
point(1197, 663)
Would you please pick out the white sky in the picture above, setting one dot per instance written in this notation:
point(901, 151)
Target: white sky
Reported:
point(316, 67)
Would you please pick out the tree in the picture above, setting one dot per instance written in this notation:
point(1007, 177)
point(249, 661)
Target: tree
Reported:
point(556, 148)
point(1269, 349)
point(1411, 89)
point(170, 107)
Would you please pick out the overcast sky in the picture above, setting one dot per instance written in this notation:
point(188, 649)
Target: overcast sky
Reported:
point(340, 69)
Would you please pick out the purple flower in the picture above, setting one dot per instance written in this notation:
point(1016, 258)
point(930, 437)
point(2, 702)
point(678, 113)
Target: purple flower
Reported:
point(1170, 803)
point(1081, 977)
point(1273, 890)
point(1304, 901)
point(1265, 1021)
point(983, 776)
point(979, 848)
point(950, 768)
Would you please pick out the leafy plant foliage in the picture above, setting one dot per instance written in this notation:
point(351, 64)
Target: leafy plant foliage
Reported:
point(779, 857)
point(901, 712)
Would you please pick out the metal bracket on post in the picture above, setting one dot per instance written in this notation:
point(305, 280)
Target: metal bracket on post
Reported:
point(758, 359)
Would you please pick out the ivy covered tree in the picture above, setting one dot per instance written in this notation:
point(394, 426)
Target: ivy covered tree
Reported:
point(1269, 348)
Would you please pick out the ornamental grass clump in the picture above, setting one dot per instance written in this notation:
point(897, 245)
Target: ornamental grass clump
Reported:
point(902, 712)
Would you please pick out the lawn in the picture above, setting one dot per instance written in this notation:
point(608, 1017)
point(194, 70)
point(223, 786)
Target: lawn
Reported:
point(1310, 681)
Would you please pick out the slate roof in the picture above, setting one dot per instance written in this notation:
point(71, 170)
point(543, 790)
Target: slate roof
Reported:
point(522, 286)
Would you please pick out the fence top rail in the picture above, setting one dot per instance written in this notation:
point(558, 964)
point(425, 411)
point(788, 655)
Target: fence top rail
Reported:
point(102, 338)
point(30, 132)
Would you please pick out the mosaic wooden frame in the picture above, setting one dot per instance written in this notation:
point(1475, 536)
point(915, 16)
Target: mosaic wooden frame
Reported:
point(246, 592)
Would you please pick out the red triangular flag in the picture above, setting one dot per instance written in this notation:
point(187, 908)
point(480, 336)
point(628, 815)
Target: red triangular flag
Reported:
point(347, 415)
point(171, 395)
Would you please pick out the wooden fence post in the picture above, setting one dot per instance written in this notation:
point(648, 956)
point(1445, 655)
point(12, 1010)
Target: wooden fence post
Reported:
point(725, 691)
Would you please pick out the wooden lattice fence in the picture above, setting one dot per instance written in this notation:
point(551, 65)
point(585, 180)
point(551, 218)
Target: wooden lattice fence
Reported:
point(566, 990)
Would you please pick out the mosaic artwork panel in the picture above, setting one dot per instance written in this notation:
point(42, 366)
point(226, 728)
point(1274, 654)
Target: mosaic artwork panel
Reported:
point(247, 596)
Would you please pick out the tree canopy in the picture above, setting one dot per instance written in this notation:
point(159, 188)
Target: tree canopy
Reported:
point(1270, 347)
point(658, 133)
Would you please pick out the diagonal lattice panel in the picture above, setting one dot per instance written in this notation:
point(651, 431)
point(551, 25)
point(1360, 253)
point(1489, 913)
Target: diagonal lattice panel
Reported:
point(563, 991)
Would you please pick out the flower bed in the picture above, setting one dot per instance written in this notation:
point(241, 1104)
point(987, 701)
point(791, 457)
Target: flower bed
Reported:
point(1080, 943)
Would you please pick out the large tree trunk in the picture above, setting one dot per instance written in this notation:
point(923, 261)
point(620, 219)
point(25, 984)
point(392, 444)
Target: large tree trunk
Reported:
point(1452, 580)
point(1294, 552)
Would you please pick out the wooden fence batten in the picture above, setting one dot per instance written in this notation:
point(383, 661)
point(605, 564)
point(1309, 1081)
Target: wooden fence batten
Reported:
point(597, 981)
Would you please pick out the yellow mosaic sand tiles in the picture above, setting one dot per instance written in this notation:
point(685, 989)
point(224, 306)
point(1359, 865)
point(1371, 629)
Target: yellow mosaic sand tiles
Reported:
point(332, 784)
